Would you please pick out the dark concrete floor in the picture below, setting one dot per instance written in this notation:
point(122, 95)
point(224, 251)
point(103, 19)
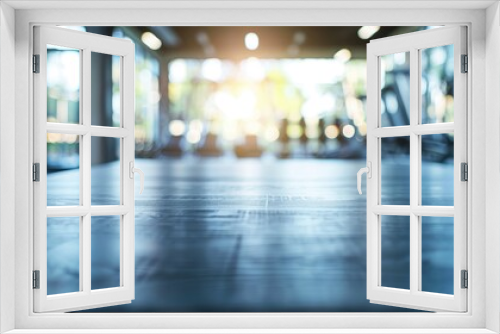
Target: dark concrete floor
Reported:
point(226, 235)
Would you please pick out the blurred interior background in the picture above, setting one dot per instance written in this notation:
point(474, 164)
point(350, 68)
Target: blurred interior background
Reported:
point(247, 91)
point(250, 138)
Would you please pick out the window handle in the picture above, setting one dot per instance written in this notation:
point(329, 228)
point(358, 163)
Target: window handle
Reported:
point(133, 170)
point(368, 171)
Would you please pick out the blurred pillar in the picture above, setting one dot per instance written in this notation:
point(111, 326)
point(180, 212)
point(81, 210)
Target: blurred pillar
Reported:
point(164, 101)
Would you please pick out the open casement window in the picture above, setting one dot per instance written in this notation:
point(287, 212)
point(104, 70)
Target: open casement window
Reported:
point(83, 244)
point(416, 155)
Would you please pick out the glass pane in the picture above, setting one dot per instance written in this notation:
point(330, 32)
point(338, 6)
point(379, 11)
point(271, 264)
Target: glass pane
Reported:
point(437, 254)
point(63, 169)
point(437, 170)
point(105, 252)
point(63, 85)
point(105, 77)
point(395, 171)
point(106, 185)
point(63, 255)
point(395, 89)
point(437, 84)
point(396, 252)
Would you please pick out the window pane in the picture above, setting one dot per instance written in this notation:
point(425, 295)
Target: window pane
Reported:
point(105, 171)
point(395, 171)
point(437, 84)
point(437, 254)
point(437, 170)
point(395, 89)
point(105, 78)
point(105, 252)
point(396, 251)
point(63, 255)
point(63, 85)
point(63, 169)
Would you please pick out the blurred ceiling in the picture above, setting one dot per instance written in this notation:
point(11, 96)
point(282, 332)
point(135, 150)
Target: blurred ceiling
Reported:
point(274, 42)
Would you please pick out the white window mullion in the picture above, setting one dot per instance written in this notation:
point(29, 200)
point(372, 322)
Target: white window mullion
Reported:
point(76, 129)
point(414, 168)
point(373, 191)
point(127, 104)
point(86, 251)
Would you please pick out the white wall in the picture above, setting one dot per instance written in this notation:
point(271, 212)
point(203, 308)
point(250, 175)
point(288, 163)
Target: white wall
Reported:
point(7, 58)
point(493, 164)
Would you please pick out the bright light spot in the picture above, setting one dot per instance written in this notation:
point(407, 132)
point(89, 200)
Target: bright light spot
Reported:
point(309, 72)
point(272, 134)
point(367, 31)
point(196, 125)
point(312, 132)
point(66, 74)
point(246, 104)
point(226, 103)
point(230, 133)
point(252, 128)
point(332, 131)
point(251, 41)
point(150, 39)
point(343, 55)
point(177, 71)
point(54, 137)
point(400, 58)
point(69, 138)
point(193, 137)
point(253, 68)
point(176, 128)
point(348, 131)
point(62, 111)
point(438, 56)
point(212, 69)
point(154, 97)
point(362, 129)
point(392, 104)
point(294, 131)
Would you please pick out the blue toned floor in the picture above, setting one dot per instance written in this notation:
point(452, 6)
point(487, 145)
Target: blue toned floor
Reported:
point(227, 235)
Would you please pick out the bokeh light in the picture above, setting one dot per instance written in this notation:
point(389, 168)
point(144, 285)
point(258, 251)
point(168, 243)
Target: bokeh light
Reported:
point(348, 131)
point(177, 128)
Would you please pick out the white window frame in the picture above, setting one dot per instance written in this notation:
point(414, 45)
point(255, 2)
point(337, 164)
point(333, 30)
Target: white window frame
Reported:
point(413, 44)
point(484, 267)
point(86, 297)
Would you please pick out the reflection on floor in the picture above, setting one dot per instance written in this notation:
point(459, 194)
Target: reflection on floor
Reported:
point(217, 235)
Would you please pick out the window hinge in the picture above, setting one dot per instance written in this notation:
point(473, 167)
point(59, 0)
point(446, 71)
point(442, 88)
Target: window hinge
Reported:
point(464, 171)
point(36, 279)
point(36, 172)
point(465, 279)
point(36, 63)
point(465, 64)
